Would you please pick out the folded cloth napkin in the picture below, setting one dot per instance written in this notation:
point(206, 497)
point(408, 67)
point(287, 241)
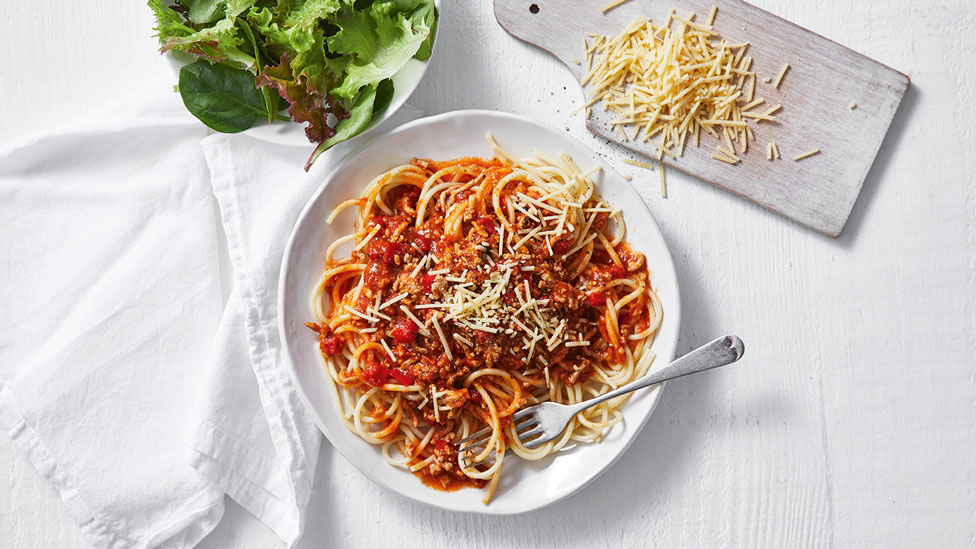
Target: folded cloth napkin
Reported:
point(110, 300)
point(141, 385)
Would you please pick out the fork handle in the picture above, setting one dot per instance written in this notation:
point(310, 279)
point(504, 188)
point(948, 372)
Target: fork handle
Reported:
point(722, 351)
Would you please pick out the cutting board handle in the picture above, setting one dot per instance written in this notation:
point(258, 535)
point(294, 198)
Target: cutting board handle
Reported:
point(547, 24)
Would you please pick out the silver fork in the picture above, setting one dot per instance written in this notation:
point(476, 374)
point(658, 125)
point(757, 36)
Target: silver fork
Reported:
point(543, 422)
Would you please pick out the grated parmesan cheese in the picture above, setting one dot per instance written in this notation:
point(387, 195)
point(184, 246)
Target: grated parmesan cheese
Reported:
point(440, 334)
point(388, 350)
point(612, 5)
point(671, 82)
point(807, 154)
point(779, 77)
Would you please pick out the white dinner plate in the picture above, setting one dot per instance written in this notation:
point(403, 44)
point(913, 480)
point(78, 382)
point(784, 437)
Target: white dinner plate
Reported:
point(523, 486)
point(405, 81)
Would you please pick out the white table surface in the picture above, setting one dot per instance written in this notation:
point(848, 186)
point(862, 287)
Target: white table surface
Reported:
point(852, 419)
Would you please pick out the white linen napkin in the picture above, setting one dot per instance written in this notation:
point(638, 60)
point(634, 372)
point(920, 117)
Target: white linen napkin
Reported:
point(261, 187)
point(110, 300)
point(116, 345)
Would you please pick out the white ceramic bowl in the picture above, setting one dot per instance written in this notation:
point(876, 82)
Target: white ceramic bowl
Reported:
point(405, 81)
point(524, 486)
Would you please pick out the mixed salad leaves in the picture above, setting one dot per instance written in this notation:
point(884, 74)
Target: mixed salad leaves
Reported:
point(328, 62)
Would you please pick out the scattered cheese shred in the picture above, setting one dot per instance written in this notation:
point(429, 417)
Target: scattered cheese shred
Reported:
point(725, 159)
point(779, 77)
point(853, 106)
point(422, 328)
point(664, 187)
point(433, 396)
point(638, 163)
point(612, 5)
point(388, 351)
point(440, 334)
point(807, 154)
point(393, 300)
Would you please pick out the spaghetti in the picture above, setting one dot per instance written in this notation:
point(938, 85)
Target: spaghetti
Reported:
point(476, 287)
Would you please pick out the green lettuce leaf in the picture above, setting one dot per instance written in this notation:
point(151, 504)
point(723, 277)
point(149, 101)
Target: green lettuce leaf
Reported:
point(220, 42)
point(306, 49)
point(169, 22)
point(428, 16)
point(380, 41)
point(202, 12)
point(311, 12)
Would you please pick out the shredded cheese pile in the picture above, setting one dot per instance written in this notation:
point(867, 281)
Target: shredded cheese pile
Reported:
point(668, 83)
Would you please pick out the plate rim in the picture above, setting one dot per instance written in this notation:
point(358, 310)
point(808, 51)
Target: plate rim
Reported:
point(668, 353)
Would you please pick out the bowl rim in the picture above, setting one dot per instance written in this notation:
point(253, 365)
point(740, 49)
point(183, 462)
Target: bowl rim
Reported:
point(667, 352)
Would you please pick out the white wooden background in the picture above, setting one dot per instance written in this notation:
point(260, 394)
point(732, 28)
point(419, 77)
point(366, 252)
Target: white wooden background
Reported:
point(852, 419)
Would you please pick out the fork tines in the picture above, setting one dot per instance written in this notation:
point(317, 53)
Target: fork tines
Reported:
point(526, 427)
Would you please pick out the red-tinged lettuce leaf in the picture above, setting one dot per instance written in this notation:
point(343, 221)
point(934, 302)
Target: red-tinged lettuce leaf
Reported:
point(305, 46)
point(307, 103)
point(359, 117)
point(220, 42)
point(169, 21)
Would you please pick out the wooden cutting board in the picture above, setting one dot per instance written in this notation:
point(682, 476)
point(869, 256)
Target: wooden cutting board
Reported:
point(824, 79)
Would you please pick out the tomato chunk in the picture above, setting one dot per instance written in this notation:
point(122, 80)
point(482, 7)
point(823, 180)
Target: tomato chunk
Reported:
point(402, 377)
point(427, 282)
point(560, 247)
point(597, 299)
point(616, 271)
point(404, 332)
point(376, 249)
point(488, 223)
point(331, 345)
point(394, 249)
point(422, 242)
point(375, 374)
point(376, 221)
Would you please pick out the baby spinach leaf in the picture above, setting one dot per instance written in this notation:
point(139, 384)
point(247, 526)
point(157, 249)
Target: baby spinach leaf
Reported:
point(223, 98)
